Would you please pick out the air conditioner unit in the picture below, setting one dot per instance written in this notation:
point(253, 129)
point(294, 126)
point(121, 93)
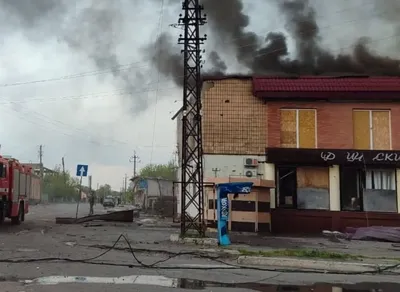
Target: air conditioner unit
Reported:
point(250, 162)
point(250, 173)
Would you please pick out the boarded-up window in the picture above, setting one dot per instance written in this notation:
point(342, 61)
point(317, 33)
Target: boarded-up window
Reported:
point(371, 130)
point(313, 188)
point(298, 128)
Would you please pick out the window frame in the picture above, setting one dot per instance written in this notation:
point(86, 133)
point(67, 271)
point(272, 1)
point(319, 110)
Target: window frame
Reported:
point(374, 171)
point(361, 184)
point(278, 180)
point(371, 130)
point(297, 110)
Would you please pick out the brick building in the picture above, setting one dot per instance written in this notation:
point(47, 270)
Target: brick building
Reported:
point(323, 152)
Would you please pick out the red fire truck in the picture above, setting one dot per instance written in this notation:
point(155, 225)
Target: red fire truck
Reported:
point(15, 188)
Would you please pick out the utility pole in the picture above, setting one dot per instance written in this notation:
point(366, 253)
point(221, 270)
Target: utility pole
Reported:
point(63, 170)
point(216, 170)
point(134, 159)
point(192, 200)
point(41, 170)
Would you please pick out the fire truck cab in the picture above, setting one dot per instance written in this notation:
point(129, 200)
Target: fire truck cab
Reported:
point(15, 184)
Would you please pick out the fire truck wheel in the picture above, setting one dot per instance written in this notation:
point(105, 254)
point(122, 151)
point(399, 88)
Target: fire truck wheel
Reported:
point(18, 219)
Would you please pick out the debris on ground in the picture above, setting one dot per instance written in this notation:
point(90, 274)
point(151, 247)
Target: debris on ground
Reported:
point(375, 233)
point(22, 232)
point(118, 216)
point(93, 224)
point(372, 233)
point(44, 230)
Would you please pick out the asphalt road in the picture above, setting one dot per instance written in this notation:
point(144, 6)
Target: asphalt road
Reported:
point(118, 270)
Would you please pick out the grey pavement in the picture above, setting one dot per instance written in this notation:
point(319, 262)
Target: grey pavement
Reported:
point(40, 237)
point(371, 249)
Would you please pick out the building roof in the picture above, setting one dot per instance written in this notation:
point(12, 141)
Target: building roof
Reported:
point(36, 167)
point(216, 77)
point(323, 87)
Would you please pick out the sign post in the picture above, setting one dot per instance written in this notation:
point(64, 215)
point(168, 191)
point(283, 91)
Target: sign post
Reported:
point(81, 171)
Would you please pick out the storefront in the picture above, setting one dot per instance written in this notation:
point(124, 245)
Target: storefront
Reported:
point(342, 188)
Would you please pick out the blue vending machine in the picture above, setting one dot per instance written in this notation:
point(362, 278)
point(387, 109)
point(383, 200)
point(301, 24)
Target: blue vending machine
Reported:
point(223, 190)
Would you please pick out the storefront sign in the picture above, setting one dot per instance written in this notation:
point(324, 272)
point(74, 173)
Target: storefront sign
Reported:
point(335, 156)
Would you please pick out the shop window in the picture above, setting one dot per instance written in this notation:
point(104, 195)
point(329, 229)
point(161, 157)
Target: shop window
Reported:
point(313, 188)
point(286, 187)
point(372, 190)
point(379, 193)
point(371, 130)
point(303, 187)
point(298, 128)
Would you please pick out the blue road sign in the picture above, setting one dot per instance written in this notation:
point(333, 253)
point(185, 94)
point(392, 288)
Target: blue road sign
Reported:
point(143, 184)
point(82, 170)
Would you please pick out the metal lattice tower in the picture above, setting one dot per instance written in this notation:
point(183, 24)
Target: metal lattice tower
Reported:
point(192, 194)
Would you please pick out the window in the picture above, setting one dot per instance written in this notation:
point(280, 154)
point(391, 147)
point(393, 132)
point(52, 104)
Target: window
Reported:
point(313, 188)
point(380, 180)
point(298, 128)
point(372, 190)
point(371, 130)
point(286, 187)
point(303, 187)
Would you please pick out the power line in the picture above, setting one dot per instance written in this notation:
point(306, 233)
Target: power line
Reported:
point(78, 75)
point(96, 95)
point(104, 94)
point(57, 131)
point(88, 95)
point(158, 78)
point(134, 159)
point(150, 146)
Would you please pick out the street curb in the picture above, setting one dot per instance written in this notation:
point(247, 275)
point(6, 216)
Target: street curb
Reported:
point(193, 240)
point(331, 266)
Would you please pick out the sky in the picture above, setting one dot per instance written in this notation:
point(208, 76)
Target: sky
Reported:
point(76, 78)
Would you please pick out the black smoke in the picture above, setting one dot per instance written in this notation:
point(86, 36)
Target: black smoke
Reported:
point(270, 54)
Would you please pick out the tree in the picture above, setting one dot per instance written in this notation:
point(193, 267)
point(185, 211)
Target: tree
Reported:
point(104, 191)
point(167, 171)
point(60, 186)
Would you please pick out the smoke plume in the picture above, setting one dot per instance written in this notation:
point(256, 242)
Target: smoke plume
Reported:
point(270, 54)
point(94, 31)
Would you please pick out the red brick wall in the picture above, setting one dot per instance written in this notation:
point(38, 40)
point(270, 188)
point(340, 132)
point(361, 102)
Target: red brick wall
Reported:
point(334, 122)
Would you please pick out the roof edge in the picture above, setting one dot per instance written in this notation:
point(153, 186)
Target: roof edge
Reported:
point(217, 77)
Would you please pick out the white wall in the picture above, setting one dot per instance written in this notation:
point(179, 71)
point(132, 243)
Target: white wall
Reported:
point(230, 165)
point(157, 188)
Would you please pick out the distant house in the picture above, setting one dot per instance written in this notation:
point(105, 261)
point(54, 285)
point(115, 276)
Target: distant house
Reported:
point(36, 168)
point(154, 194)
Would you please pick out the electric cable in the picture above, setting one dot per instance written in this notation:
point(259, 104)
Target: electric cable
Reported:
point(140, 264)
point(159, 49)
point(117, 92)
point(177, 76)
